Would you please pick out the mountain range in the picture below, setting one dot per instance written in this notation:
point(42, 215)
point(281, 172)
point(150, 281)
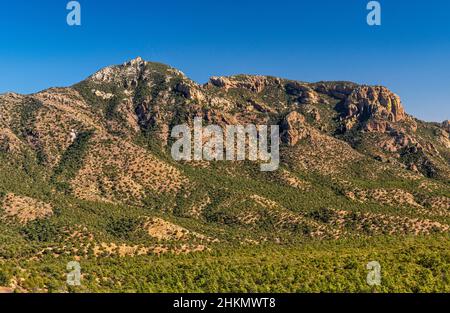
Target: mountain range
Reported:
point(86, 171)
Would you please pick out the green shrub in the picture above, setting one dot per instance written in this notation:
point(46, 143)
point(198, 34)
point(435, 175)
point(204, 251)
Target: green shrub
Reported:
point(324, 215)
point(42, 231)
point(4, 278)
point(123, 227)
point(72, 160)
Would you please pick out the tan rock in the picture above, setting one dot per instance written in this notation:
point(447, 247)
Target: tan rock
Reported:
point(367, 102)
point(339, 90)
point(304, 93)
point(293, 128)
point(189, 91)
point(254, 83)
point(376, 126)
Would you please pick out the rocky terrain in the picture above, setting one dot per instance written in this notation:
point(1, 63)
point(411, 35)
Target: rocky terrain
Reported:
point(86, 171)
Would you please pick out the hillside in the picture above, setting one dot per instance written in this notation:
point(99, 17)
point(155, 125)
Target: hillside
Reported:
point(86, 174)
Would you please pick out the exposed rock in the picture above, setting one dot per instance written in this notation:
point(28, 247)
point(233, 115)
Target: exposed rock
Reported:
point(73, 135)
point(368, 102)
point(388, 145)
point(304, 93)
point(413, 167)
point(119, 162)
point(163, 230)
point(131, 73)
point(443, 137)
point(9, 142)
point(127, 111)
point(412, 125)
point(446, 125)
point(220, 118)
point(315, 114)
point(138, 61)
point(260, 107)
point(104, 74)
point(222, 103)
point(401, 140)
point(339, 90)
point(293, 128)
point(190, 92)
point(376, 126)
point(103, 95)
point(254, 83)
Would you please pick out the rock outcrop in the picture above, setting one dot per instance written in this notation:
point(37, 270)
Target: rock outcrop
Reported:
point(376, 126)
point(446, 125)
point(304, 93)
point(254, 83)
point(339, 90)
point(293, 128)
point(190, 91)
point(367, 102)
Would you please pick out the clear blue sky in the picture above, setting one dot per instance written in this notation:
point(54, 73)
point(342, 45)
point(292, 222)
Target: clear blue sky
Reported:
point(303, 40)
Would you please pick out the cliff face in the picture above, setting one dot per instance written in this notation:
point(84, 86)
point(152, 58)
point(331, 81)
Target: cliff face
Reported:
point(368, 102)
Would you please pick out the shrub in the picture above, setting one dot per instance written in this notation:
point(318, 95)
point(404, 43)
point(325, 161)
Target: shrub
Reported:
point(123, 227)
point(324, 215)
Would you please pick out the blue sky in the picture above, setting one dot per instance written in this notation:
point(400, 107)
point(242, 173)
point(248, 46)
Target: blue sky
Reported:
point(302, 40)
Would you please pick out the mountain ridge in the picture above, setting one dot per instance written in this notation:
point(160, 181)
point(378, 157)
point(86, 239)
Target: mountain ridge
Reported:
point(86, 170)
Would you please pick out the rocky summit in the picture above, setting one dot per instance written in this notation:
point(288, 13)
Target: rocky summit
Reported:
point(86, 171)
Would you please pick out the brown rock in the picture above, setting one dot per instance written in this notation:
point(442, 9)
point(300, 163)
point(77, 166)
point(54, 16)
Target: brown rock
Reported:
point(368, 102)
point(254, 83)
point(315, 114)
point(304, 93)
point(339, 90)
point(189, 91)
point(293, 128)
point(376, 126)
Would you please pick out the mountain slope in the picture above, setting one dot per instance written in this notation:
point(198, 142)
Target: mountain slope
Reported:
point(86, 171)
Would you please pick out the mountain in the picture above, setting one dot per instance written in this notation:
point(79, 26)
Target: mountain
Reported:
point(86, 171)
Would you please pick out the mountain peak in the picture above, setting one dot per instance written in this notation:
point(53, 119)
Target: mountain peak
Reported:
point(138, 61)
point(130, 71)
